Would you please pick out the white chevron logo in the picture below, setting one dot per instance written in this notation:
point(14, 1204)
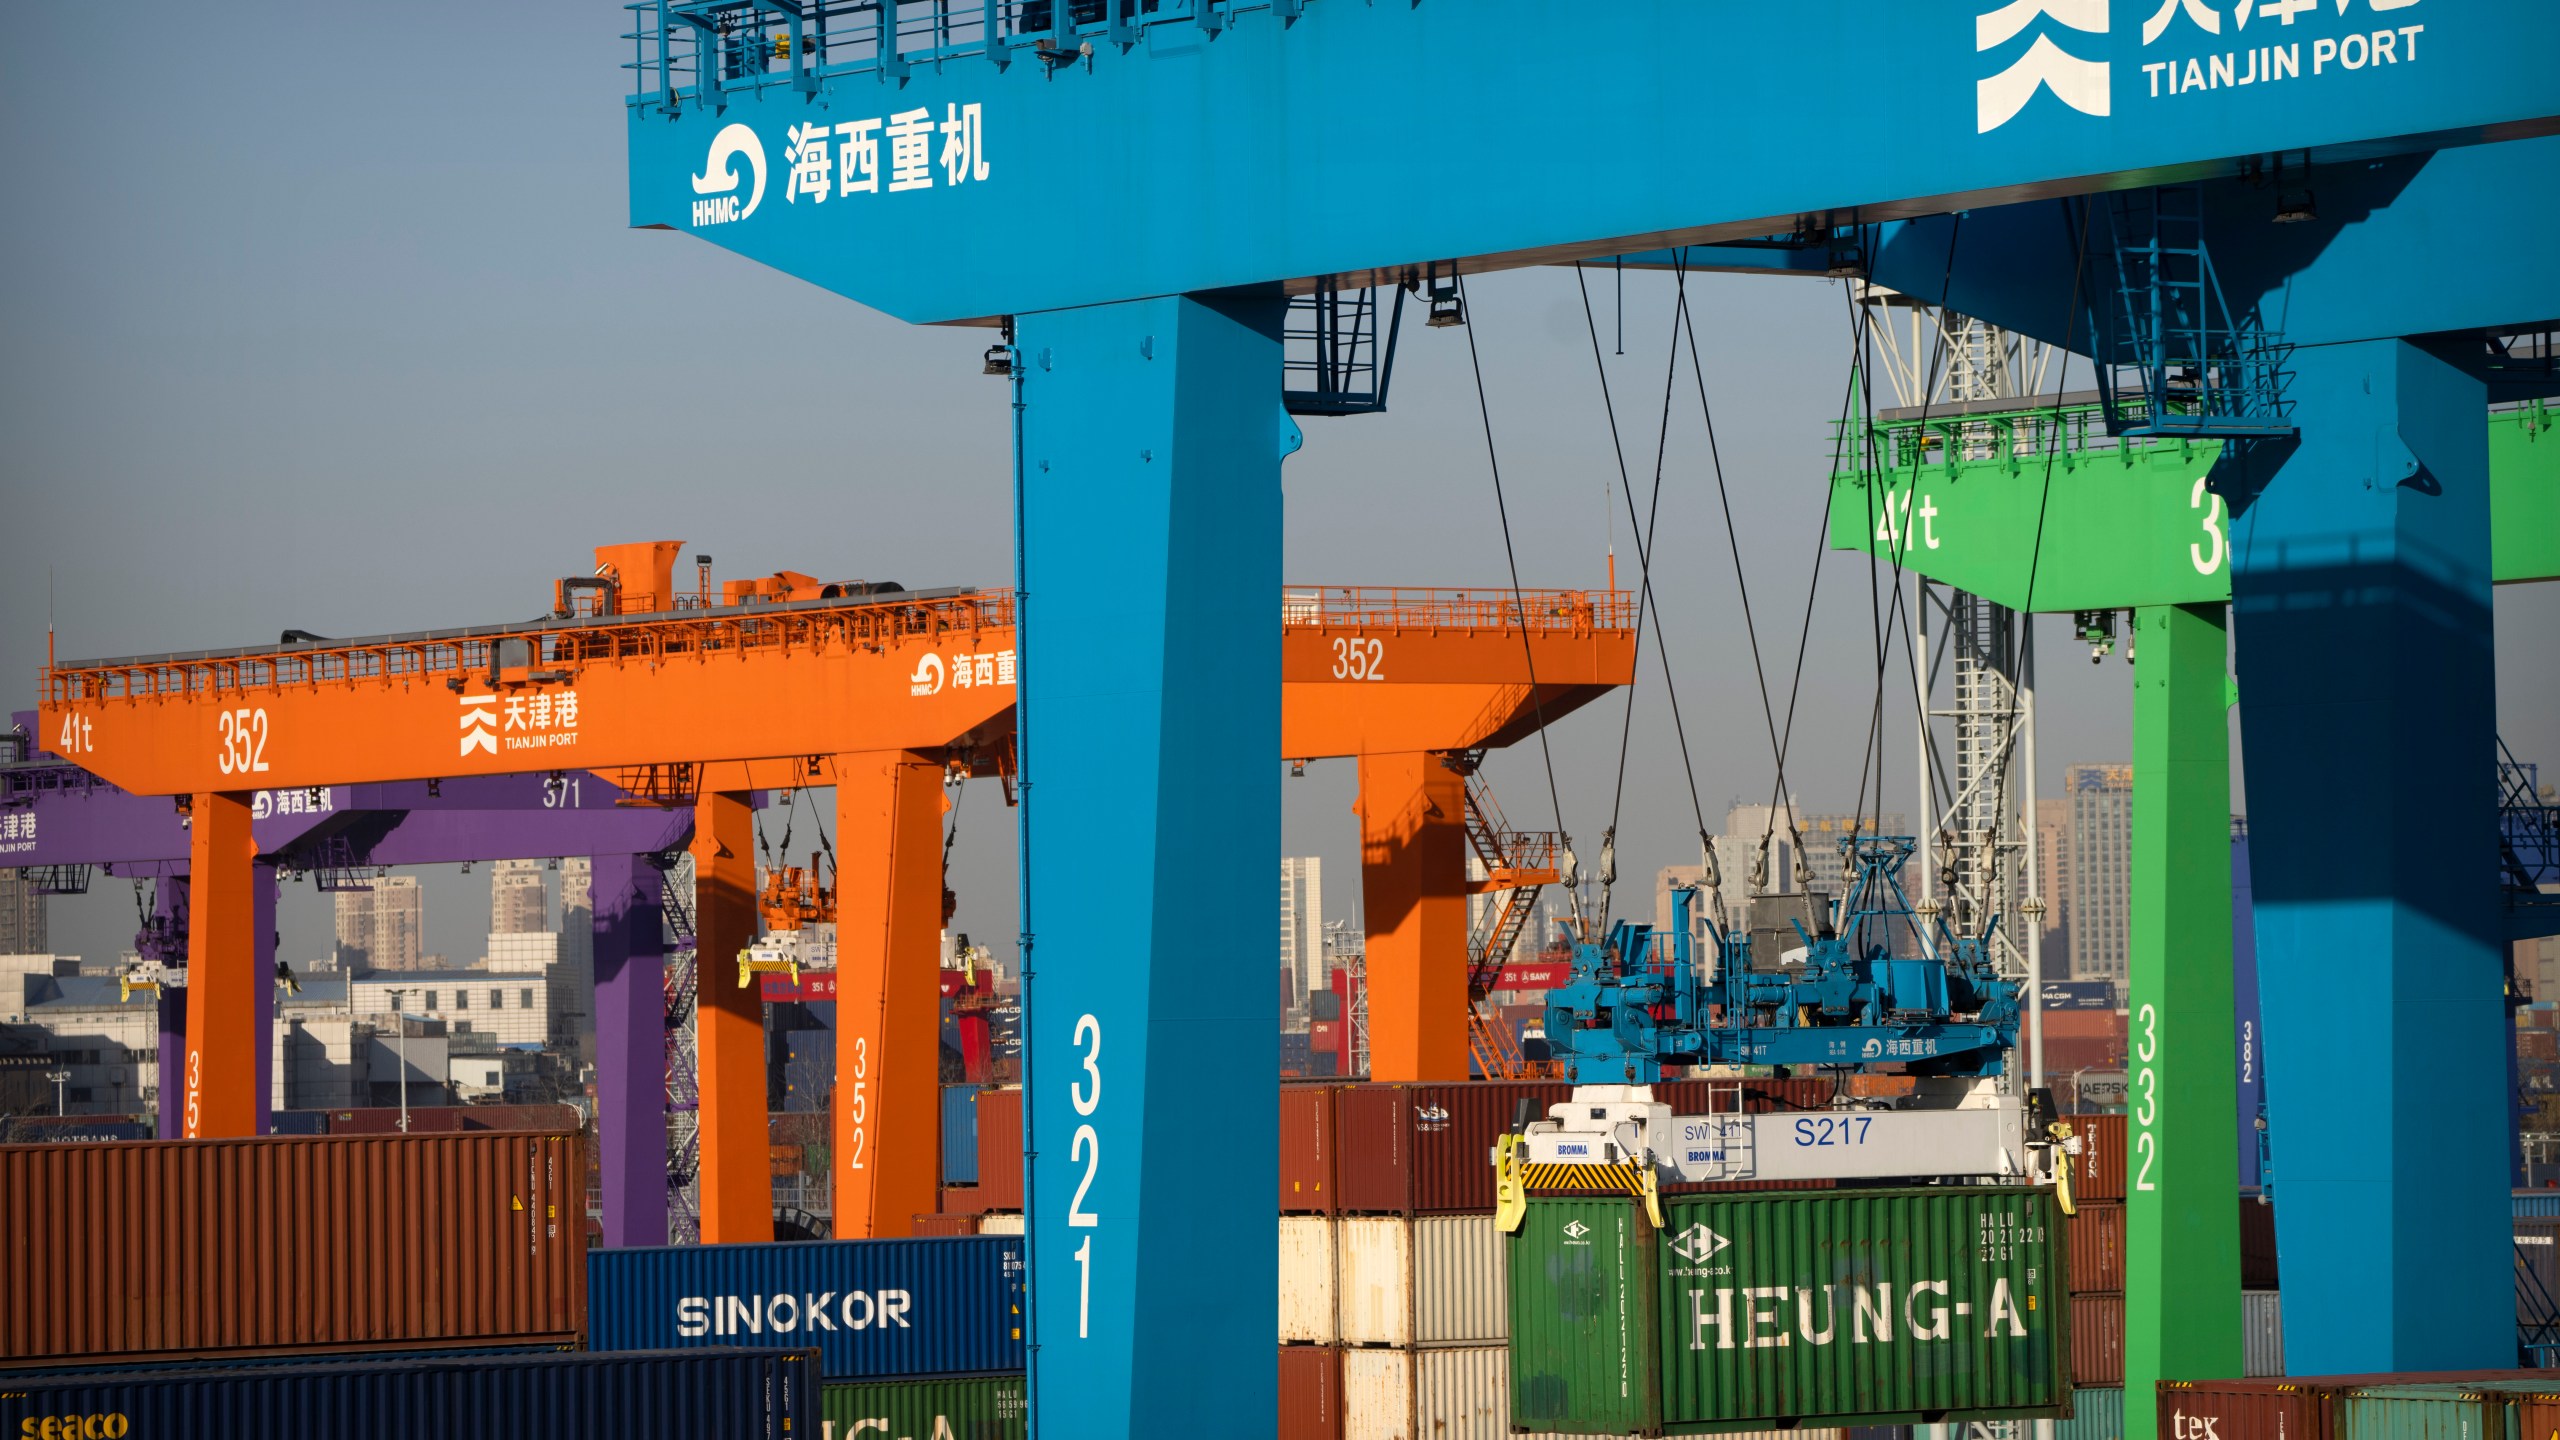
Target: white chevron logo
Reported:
point(479, 724)
point(2084, 85)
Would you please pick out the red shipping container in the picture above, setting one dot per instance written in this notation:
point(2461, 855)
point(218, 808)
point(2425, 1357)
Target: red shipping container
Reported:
point(2098, 1172)
point(1000, 1149)
point(2302, 1407)
point(2097, 1248)
point(963, 1200)
point(1427, 1149)
point(2257, 1244)
point(946, 1225)
point(1310, 1392)
point(2097, 1340)
point(385, 1120)
point(1307, 1145)
point(149, 1250)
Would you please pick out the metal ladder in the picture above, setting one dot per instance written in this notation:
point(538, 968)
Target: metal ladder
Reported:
point(2197, 369)
point(1505, 854)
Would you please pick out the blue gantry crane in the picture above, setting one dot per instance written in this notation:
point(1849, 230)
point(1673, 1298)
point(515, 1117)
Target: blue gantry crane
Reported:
point(1136, 191)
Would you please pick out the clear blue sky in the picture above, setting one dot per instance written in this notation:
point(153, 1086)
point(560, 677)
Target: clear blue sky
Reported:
point(326, 316)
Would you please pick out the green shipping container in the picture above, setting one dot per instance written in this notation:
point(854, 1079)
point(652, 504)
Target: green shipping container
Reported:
point(2096, 1414)
point(1863, 1307)
point(1584, 1354)
point(2423, 1412)
point(968, 1407)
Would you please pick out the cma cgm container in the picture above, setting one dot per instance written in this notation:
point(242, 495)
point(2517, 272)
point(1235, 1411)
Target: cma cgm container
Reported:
point(732, 1393)
point(1426, 1149)
point(965, 1407)
point(184, 1249)
point(872, 1309)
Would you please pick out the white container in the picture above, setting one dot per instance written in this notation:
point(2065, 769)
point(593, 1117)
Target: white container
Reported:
point(1000, 1222)
point(1447, 1393)
point(1435, 1280)
point(1306, 1280)
point(2261, 1333)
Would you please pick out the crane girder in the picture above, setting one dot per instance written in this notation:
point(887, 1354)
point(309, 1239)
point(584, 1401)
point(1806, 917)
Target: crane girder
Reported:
point(1555, 133)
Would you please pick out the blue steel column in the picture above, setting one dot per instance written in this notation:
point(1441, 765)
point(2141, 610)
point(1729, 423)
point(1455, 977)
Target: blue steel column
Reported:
point(1150, 445)
point(2361, 592)
point(631, 1049)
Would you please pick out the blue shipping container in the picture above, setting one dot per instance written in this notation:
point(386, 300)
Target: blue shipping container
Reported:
point(2096, 1414)
point(2537, 1204)
point(2248, 1039)
point(873, 1308)
point(729, 1392)
point(959, 1134)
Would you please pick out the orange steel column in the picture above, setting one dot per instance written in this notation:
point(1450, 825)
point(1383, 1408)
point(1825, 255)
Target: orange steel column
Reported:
point(736, 1174)
point(223, 1034)
point(888, 1104)
point(1413, 872)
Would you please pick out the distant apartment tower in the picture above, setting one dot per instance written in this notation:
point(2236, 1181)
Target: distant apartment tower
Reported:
point(518, 903)
point(2100, 869)
point(23, 930)
point(2053, 871)
point(1301, 932)
point(383, 928)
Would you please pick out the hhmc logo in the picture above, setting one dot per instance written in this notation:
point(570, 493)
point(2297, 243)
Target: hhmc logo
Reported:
point(719, 180)
point(1698, 1244)
point(928, 677)
point(2081, 84)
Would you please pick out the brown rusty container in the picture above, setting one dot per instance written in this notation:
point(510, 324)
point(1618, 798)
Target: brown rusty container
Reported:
point(1000, 1149)
point(963, 1200)
point(1427, 1149)
point(2097, 1339)
point(2097, 1248)
point(2257, 1244)
point(945, 1225)
point(2305, 1407)
point(1307, 1146)
point(2540, 1413)
point(2098, 1172)
point(1310, 1392)
point(162, 1249)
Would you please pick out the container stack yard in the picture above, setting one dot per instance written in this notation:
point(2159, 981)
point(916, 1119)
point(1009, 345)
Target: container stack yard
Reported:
point(1728, 984)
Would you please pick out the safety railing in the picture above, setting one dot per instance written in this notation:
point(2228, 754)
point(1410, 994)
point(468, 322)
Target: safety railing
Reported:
point(868, 623)
point(2033, 433)
point(694, 51)
point(1372, 607)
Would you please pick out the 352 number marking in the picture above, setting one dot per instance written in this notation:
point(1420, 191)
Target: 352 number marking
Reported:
point(861, 1106)
point(243, 750)
point(1356, 659)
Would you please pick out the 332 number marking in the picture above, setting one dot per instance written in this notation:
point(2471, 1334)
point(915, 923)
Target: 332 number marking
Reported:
point(243, 750)
point(2146, 1084)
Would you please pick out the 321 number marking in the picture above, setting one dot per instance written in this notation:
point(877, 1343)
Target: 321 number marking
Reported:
point(1087, 1147)
point(244, 741)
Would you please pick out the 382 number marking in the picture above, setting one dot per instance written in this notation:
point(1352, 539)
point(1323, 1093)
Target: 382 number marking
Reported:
point(243, 750)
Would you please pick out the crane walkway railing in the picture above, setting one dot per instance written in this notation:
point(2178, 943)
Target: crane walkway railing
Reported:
point(1391, 607)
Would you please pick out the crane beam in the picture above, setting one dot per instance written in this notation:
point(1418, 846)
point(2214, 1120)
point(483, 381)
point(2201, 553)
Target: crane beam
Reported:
point(1550, 129)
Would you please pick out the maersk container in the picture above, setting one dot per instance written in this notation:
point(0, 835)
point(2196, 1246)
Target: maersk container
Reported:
point(1428, 1280)
point(1307, 1305)
point(1585, 1352)
point(959, 1407)
point(1860, 1306)
point(874, 1309)
point(2097, 1413)
point(959, 1134)
point(648, 1395)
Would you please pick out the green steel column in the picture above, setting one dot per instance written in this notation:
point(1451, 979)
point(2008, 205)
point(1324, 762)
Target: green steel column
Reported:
point(2182, 1250)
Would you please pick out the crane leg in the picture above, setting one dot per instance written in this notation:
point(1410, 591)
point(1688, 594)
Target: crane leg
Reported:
point(2361, 592)
point(1151, 438)
point(1413, 901)
point(736, 1175)
point(2182, 1282)
point(631, 1048)
point(169, 901)
point(888, 1107)
point(223, 1065)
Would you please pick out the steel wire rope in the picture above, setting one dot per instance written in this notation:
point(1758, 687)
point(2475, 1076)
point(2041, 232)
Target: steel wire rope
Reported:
point(1519, 606)
point(1643, 532)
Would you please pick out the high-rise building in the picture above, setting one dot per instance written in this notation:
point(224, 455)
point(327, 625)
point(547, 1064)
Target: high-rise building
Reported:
point(22, 917)
point(383, 928)
point(1301, 931)
point(518, 902)
point(2053, 871)
point(2100, 869)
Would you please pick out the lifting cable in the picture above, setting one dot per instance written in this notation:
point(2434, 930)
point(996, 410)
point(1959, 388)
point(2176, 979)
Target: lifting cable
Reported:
point(1646, 604)
point(1519, 606)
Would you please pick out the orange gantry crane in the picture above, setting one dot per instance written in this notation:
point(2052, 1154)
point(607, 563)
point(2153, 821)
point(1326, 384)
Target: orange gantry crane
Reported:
point(698, 697)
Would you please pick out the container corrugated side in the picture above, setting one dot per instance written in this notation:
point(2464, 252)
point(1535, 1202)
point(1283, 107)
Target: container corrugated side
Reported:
point(733, 1393)
point(2098, 1172)
point(2097, 1248)
point(2420, 1412)
point(1374, 1279)
point(1310, 1392)
point(2097, 1413)
point(1422, 1149)
point(1307, 1145)
point(1773, 1307)
point(960, 1134)
point(2538, 1414)
point(2261, 1333)
point(1454, 1392)
point(1458, 1292)
point(1000, 1148)
point(872, 1308)
point(2537, 1202)
point(1585, 1353)
point(2097, 1339)
point(2302, 1407)
point(970, 1407)
point(1307, 1280)
point(2537, 1251)
point(1007, 1222)
point(181, 1248)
